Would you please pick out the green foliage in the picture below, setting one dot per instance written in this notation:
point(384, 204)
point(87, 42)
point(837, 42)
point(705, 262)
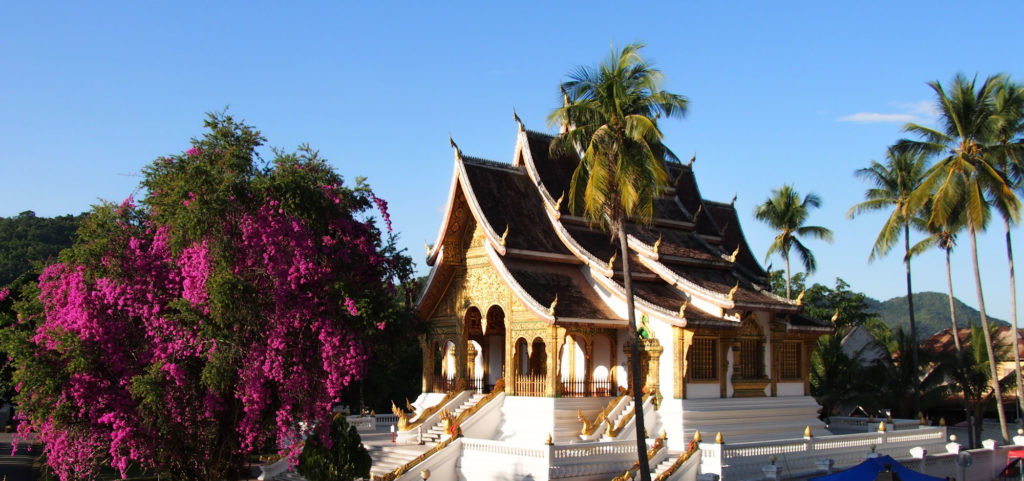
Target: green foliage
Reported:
point(27, 241)
point(344, 460)
point(785, 212)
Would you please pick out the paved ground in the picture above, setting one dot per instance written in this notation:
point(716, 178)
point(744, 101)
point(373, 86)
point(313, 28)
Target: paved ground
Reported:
point(17, 467)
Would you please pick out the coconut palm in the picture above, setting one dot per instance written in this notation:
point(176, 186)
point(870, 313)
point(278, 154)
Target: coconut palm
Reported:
point(942, 236)
point(611, 113)
point(1009, 105)
point(965, 173)
point(785, 212)
point(893, 182)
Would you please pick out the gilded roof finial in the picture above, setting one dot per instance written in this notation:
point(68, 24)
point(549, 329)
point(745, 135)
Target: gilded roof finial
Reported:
point(734, 196)
point(732, 292)
point(700, 208)
point(427, 247)
point(558, 203)
point(551, 308)
point(800, 298)
point(692, 160)
point(504, 236)
point(518, 120)
point(451, 141)
point(835, 317)
point(732, 257)
point(611, 262)
point(696, 435)
point(657, 244)
point(682, 308)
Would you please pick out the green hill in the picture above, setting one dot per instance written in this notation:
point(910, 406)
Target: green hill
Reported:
point(27, 240)
point(931, 311)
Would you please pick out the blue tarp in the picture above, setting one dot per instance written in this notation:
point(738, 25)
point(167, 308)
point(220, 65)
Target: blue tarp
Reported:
point(869, 469)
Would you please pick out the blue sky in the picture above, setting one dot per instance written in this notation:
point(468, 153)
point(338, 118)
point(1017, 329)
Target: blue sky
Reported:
point(781, 92)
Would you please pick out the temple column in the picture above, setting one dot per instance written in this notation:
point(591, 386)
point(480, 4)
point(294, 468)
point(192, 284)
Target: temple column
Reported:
point(428, 362)
point(471, 353)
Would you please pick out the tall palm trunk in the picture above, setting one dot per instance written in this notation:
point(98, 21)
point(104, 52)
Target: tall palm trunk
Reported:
point(959, 353)
point(789, 295)
point(634, 364)
point(1013, 308)
point(992, 361)
point(952, 306)
point(913, 325)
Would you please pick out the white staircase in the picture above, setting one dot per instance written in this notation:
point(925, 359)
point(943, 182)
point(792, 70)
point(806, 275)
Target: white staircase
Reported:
point(752, 419)
point(436, 432)
point(664, 465)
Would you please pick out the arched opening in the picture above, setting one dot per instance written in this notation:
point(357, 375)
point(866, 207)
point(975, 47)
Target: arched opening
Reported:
point(601, 366)
point(474, 332)
point(529, 376)
point(494, 346)
point(573, 367)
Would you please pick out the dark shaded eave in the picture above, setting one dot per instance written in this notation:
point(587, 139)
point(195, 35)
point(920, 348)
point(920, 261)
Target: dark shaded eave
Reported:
point(732, 236)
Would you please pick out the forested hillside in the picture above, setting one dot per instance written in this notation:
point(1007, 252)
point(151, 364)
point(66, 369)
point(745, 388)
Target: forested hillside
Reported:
point(26, 240)
point(931, 311)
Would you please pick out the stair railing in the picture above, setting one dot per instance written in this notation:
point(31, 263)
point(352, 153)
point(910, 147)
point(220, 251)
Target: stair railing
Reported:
point(404, 423)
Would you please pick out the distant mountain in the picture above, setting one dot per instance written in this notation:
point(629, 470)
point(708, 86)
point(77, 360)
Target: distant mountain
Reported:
point(931, 312)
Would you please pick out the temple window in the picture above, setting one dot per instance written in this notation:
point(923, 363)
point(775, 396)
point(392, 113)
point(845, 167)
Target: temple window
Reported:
point(750, 351)
point(703, 365)
point(789, 360)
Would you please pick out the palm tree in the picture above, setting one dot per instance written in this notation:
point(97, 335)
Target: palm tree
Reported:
point(944, 237)
point(786, 213)
point(612, 113)
point(965, 174)
point(971, 373)
point(1009, 105)
point(893, 182)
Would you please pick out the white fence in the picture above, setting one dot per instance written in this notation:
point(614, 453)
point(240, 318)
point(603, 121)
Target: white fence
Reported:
point(745, 461)
point(546, 462)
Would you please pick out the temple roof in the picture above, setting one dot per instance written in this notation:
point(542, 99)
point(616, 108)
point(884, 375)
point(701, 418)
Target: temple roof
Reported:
point(692, 258)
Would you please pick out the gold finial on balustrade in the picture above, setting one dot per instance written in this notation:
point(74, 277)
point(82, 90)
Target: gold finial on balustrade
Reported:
point(923, 420)
point(718, 438)
point(696, 436)
point(942, 421)
point(881, 426)
point(807, 431)
point(549, 442)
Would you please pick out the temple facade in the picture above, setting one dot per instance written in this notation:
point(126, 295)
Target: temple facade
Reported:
point(522, 290)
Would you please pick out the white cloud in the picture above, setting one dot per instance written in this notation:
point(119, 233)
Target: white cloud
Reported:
point(876, 118)
point(919, 112)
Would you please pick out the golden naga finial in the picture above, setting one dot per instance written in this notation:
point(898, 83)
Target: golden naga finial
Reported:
point(696, 436)
point(657, 244)
point(807, 431)
point(719, 439)
point(588, 427)
point(733, 201)
point(800, 298)
point(504, 236)
point(682, 308)
point(692, 160)
point(518, 120)
point(664, 435)
point(551, 308)
point(700, 208)
point(611, 262)
point(427, 247)
point(558, 203)
point(732, 257)
point(881, 426)
point(835, 317)
point(409, 407)
point(451, 141)
point(732, 292)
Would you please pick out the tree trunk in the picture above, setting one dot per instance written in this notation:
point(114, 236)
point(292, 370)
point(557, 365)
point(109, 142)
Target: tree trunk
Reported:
point(1013, 309)
point(789, 295)
point(634, 364)
point(992, 361)
point(913, 325)
point(952, 306)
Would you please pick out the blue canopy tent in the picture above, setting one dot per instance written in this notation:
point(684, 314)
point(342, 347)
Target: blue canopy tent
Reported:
point(869, 469)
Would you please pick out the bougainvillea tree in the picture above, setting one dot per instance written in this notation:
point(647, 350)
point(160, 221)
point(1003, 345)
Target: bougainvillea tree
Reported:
point(223, 312)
